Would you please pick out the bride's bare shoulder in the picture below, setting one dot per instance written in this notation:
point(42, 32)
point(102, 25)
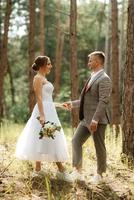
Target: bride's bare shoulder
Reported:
point(39, 79)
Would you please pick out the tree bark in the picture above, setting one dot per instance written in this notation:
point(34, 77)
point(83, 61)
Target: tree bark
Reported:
point(122, 47)
point(59, 50)
point(108, 43)
point(115, 65)
point(100, 19)
point(58, 60)
point(42, 27)
point(128, 88)
point(0, 27)
point(31, 52)
point(73, 54)
point(3, 53)
point(11, 84)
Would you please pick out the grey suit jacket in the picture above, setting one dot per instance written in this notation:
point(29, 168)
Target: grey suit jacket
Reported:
point(94, 103)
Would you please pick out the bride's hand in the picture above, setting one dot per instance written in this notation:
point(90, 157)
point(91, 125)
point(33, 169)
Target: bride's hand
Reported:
point(65, 105)
point(42, 120)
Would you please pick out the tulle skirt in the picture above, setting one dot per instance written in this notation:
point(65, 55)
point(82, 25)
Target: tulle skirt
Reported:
point(30, 147)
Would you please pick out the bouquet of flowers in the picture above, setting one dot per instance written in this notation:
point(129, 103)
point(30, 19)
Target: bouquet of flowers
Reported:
point(48, 129)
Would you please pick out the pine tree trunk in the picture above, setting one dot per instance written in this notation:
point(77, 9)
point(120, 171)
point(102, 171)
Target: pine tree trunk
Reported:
point(31, 52)
point(11, 84)
point(122, 47)
point(128, 93)
point(58, 60)
point(3, 53)
point(59, 50)
point(100, 17)
point(0, 26)
point(42, 27)
point(73, 54)
point(108, 43)
point(115, 65)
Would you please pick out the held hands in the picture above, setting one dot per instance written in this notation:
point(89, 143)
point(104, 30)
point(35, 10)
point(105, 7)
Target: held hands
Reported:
point(67, 105)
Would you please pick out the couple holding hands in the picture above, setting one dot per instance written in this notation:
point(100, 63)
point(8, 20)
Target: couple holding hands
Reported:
point(94, 115)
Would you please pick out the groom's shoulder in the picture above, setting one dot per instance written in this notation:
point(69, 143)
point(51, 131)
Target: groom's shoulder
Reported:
point(104, 77)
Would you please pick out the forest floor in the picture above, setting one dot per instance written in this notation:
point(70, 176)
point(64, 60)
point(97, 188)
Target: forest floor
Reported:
point(16, 182)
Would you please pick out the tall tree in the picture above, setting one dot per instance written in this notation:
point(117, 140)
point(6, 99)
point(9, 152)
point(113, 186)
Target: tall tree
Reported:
point(59, 50)
point(128, 93)
point(11, 84)
point(42, 27)
point(73, 55)
point(31, 52)
point(0, 26)
point(115, 64)
point(122, 44)
point(108, 42)
point(3, 52)
point(100, 20)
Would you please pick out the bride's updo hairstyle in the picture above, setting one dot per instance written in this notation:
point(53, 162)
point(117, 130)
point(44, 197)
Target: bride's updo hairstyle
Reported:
point(39, 62)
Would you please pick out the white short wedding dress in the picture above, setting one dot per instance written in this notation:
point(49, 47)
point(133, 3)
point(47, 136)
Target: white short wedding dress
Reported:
point(30, 147)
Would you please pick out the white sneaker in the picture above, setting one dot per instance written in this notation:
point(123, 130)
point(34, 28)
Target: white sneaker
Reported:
point(77, 176)
point(65, 176)
point(38, 173)
point(97, 179)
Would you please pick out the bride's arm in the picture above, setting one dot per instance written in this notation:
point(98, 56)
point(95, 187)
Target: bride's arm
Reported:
point(37, 85)
point(58, 105)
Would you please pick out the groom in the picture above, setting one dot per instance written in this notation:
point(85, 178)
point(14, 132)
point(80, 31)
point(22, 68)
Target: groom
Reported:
point(94, 115)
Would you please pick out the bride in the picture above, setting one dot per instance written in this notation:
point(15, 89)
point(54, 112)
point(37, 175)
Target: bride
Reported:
point(29, 146)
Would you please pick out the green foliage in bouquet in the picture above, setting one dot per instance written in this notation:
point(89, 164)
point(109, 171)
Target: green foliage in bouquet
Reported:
point(48, 129)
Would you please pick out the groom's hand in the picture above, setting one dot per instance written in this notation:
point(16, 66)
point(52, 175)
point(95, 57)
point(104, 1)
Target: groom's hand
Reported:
point(67, 105)
point(93, 126)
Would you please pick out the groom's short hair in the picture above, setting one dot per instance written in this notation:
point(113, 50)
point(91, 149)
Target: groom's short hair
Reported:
point(99, 54)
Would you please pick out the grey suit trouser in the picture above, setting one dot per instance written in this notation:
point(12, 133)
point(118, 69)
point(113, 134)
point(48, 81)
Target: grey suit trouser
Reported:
point(81, 135)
